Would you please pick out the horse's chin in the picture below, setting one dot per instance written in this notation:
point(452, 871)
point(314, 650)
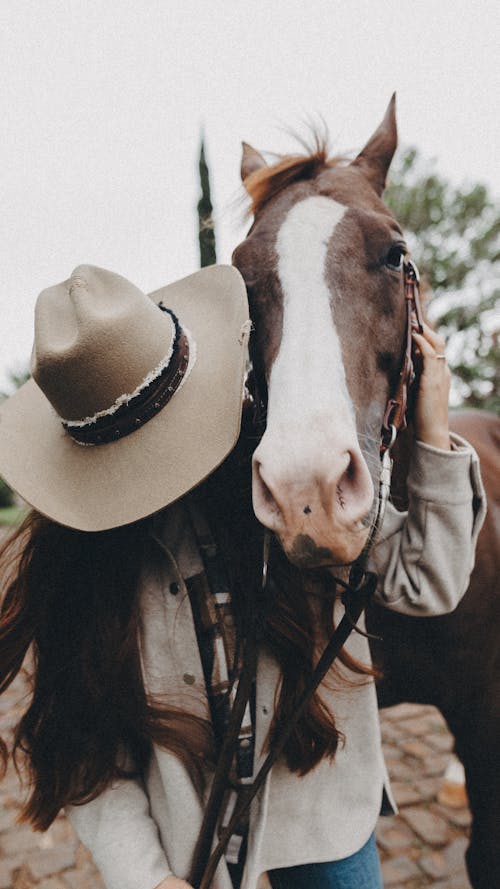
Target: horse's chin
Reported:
point(305, 553)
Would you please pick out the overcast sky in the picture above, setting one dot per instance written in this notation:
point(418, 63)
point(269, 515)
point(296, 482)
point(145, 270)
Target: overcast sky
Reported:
point(102, 103)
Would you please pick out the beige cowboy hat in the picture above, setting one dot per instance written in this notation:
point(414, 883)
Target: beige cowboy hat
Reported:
point(134, 399)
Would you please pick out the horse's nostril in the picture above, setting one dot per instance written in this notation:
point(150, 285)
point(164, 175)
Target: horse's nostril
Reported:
point(351, 469)
point(265, 492)
point(266, 507)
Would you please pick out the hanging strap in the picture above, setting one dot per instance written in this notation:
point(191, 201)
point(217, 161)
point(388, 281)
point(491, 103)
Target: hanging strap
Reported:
point(204, 863)
point(229, 671)
point(220, 781)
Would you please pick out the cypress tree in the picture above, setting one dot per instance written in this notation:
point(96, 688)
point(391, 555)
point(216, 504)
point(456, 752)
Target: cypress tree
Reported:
point(206, 231)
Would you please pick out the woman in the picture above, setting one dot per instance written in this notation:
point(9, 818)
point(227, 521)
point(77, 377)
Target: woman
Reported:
point(132, 408)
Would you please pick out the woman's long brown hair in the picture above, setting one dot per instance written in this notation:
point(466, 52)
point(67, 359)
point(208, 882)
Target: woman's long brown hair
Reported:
point(71, 600)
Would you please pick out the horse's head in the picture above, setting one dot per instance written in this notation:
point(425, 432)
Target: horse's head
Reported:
point(322, 263)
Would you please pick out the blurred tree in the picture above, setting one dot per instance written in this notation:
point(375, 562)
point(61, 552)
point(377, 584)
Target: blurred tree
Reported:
point(454, 236)
point(16, 380)
point(206, 232)
point(6, 495)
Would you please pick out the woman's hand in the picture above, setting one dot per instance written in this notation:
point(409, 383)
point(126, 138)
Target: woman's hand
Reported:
point(431, 408)
point(173, 883)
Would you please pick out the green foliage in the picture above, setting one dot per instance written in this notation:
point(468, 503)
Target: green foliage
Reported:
point(16, 380)
point(6, 495)
point(12, 515)
point(454, 236)
point(206, 232)
point(476, 363)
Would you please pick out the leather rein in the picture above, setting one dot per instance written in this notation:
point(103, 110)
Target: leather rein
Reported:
point(356, 595)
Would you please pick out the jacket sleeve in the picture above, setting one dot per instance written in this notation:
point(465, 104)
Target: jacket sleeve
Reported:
point(119, 832)
point(425, 556)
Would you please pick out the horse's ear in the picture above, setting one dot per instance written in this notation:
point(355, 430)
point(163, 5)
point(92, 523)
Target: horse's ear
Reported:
point(376, 157)
point(251, 160)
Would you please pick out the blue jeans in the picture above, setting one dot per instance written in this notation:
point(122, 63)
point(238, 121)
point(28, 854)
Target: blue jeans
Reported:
point(358, 871)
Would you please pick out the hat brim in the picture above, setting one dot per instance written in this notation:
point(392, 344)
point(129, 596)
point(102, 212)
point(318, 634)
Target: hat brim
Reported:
point(105, 486)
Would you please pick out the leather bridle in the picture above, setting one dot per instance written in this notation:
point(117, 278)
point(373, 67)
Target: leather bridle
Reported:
point(395, 414)
point(356, 594)
point(400, 404)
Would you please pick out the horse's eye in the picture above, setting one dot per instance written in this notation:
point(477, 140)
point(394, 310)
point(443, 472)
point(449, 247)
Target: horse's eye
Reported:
point(395, 256)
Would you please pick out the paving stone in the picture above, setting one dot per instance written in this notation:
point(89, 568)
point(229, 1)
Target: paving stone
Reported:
point(7, 869)
point(402, 711)
point(396, 870)
point(452, 795)
point(460, 818)
point(458, 882)
point(427, 788)
point(441, 742)
point(419, 726)
point(454, 855)
point(60, 832)
point(393, 834)
point(404, 793)
point(431, 828)
point(10, 780)
point(86, 879)
point(435, 764)
point(399, 770)
point(47, 862)
point(23, 879)
point(417, 748)
point(51, 883)
point(5, 819)
point(83, 858)
point(391, 732)
point(19, 839)
point(391, 751)
point(434, 865)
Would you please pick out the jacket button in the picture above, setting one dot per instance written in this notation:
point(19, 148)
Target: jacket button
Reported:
point(189, 679)
point(265, 711)
point(174, 588)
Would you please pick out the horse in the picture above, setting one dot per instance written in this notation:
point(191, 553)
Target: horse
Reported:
point(451, 661)
point(325, 369)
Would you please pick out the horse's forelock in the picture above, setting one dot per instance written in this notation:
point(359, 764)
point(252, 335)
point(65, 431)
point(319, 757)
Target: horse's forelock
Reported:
point(267, 181)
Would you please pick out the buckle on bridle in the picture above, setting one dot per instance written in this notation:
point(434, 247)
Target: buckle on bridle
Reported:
point(411, 271)
point(389, 431)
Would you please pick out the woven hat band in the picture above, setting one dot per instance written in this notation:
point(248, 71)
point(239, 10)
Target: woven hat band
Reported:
point(141, 408)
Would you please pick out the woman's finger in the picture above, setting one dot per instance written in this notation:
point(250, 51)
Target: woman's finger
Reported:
point(434, 338)
point(426, 348)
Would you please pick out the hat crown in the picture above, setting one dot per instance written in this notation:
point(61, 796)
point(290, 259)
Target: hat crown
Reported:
point(97, 338)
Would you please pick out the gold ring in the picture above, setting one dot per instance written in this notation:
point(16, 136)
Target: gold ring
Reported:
point(442, 357)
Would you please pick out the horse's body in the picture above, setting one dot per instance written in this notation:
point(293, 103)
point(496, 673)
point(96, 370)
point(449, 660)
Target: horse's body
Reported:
point(453, 662)
point(322, 263)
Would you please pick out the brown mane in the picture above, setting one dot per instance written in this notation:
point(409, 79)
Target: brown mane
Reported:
point(267, 181)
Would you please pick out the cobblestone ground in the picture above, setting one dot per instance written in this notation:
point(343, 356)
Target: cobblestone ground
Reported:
point(423, 846)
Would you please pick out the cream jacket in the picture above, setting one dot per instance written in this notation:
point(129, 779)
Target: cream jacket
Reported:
point(140, 831)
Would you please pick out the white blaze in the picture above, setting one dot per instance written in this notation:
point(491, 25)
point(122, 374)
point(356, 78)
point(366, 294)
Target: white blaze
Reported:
point(311, 484)
point(308, 378)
